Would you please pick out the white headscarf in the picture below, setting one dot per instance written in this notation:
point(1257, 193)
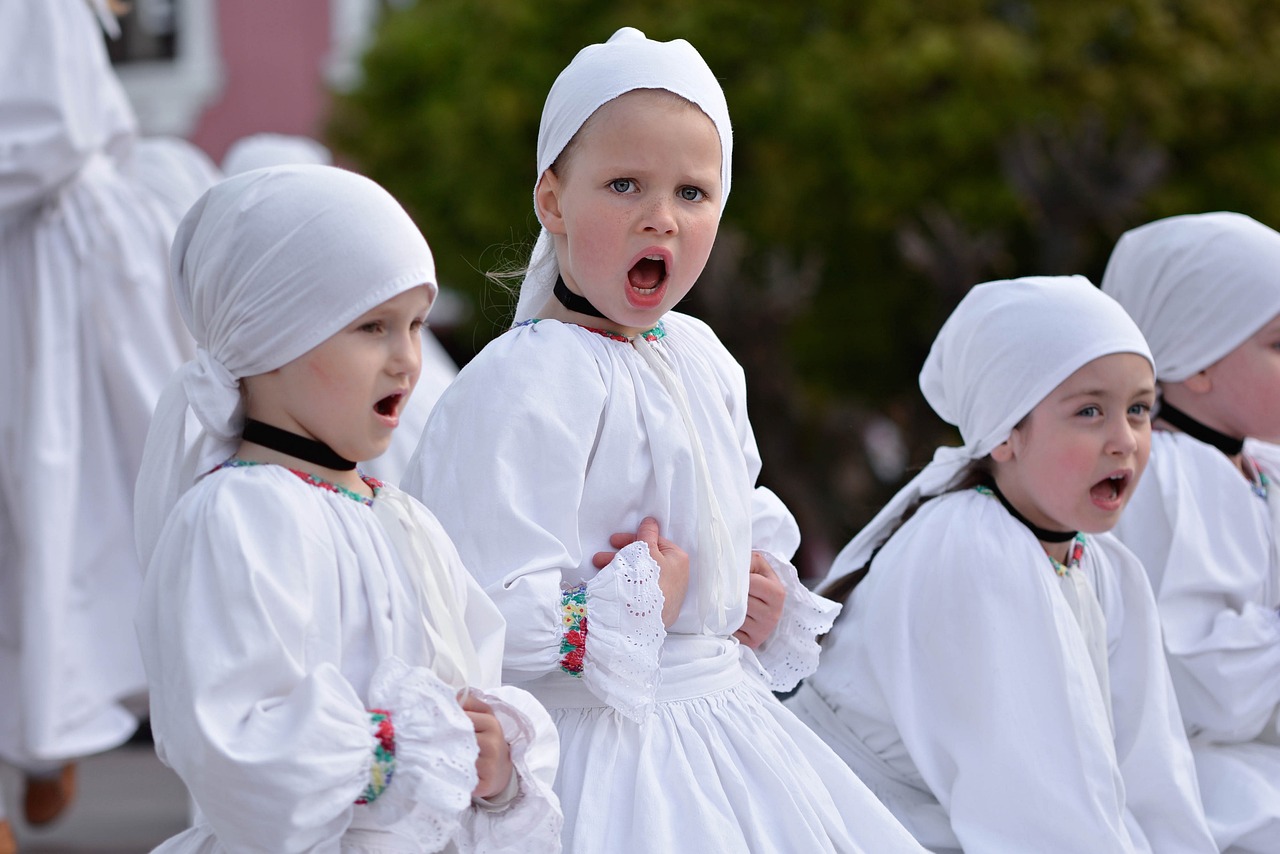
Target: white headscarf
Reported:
point(1198, 285)
point(597, 75)
point(1007, 345)
point(266, 266)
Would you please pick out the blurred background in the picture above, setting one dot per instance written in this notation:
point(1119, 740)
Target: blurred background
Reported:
point(889, 154)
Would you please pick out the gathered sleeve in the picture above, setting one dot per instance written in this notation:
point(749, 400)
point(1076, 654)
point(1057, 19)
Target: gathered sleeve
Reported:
point(503, 465)
point(987, 678)
point(1162, 796)
point(1215, 577)
point(240, 626)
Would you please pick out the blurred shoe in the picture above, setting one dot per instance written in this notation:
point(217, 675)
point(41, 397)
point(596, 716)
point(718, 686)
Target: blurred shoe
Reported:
point(47, 797)
point(8, 845)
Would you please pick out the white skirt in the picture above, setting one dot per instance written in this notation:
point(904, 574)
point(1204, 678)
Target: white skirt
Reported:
point(1240, 787)
point(720, 766)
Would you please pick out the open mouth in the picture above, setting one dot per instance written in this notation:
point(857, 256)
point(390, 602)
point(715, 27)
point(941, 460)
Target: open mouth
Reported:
point(389, 406)
point(648, 273)
point(1109, 490)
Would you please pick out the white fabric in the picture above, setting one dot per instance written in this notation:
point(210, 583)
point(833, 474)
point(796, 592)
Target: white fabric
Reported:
point(558, 437)
point(1004, 348)
point(88, 337)
point(1198, 286)
point(597, 75)
point(275, 614)
point(266, 266)
point(176, 171)
point(1209, 546)
point(260, 150)
point(959, 687)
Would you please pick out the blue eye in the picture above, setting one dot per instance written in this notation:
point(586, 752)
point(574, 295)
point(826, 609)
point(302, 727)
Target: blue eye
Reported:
point(1090, 412)
point(692, 194)
point(1142, 410)
point(622, 185)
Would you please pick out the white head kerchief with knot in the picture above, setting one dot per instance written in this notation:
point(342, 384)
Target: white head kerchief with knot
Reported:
point(265, 266)
point(597, 75)
point(1197, 285)
point(1007, 345)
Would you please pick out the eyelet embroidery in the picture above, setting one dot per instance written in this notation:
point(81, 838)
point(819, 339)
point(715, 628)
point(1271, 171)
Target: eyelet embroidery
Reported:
point(311, 479)
point(384, 756)
point(1077, 548)
point(657, 333)
point(573, 644)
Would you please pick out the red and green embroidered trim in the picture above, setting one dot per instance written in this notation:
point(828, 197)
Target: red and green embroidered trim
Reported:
point(384, 756)
point(573, 644)
point(373, 482)
point(657, 333)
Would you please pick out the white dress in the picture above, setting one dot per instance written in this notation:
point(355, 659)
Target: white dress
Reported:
point(276, 615)
point(1209, 544)
point(996, 707)
point(88, 337)
point(552, 439)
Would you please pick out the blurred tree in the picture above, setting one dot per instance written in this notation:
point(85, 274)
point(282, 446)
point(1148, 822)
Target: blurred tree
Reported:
point(888, 155)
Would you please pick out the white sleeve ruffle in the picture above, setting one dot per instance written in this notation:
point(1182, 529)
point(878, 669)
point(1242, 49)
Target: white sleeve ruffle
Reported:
point(529, 824)
point(625, 632)
point(791, 652)
point(436, 751)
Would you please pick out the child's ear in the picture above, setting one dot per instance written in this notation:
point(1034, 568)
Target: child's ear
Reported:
point(1003, 452)
point(547, 200)
point(1199, 382)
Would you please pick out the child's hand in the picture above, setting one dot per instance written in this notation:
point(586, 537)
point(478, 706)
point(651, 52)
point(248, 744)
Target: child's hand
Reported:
point(673, 565)
point(493, 765)
point(766, 594)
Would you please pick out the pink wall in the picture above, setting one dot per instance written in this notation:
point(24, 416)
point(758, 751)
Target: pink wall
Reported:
point(273, 54)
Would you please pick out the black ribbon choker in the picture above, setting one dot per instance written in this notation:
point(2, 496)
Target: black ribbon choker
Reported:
point(1229, 445)
point(294, 445)
point(573, 301)
point(1044, 535)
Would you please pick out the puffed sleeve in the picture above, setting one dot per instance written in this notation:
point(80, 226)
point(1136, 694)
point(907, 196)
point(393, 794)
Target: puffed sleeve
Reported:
point(1210, 560)
point(790, 653)
point(239, 626)
point(502, 464)
point(1162, 797)
point(988, 679)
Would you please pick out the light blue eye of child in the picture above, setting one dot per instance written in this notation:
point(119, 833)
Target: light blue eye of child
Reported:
point(621, 185)
point(691, 194)
point(1140, 409)
point(1090, 411)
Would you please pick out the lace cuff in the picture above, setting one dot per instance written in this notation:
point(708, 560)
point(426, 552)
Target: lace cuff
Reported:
point(530, 823)
point(621, 665)
point(384, 756)
point(435, 755)
point(791, 652)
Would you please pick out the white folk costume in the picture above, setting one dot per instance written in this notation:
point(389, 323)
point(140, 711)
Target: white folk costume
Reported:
point(994, 700)
point(305, 646)
point(260, 150)
point(1199, 286)
point(88, 337)
point(555, 437)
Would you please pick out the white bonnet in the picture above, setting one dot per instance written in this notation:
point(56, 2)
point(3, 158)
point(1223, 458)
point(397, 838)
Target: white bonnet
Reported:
point(1007, 345)
point(598, 74)
point(266, 266)
point(1198, 285)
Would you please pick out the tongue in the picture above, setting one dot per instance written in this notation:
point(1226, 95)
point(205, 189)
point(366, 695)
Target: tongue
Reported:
point(647, 273)
point(1107, 490)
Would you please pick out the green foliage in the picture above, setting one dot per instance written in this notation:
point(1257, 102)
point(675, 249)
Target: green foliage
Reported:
point(911, 148)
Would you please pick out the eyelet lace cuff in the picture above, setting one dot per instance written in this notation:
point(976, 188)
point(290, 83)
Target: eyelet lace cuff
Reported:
point(791, 652)
point(531, 822)
point(435, 750)
point(625, 602)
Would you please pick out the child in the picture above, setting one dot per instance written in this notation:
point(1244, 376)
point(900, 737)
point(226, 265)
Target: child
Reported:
point(88, 337)
point(323, 672)
point(596, 460)
point(1205, 290)
point(997, 678)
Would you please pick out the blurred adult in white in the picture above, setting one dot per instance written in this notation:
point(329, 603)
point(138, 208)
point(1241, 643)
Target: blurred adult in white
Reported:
point(88, 338)
point(260, 150)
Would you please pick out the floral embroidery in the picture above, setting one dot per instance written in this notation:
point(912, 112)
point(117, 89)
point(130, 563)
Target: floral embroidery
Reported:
point(1077, 548)
point(573, 644)
point(373, 482)
point(657, 333)
point(384, 756)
